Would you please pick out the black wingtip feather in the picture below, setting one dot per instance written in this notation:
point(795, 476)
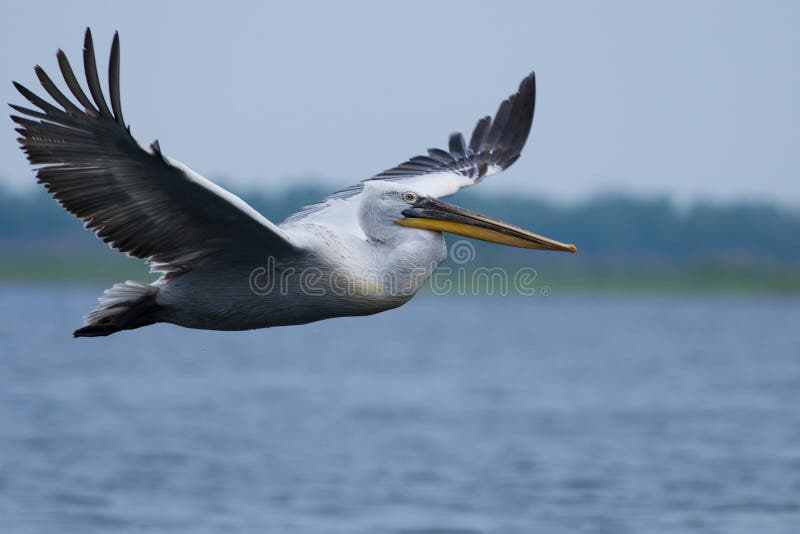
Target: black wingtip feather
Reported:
point(479, 134)
point(37, 101)
point(498, 125)
point(72, 83)
point(55, 92)
point(92, 78)
point(457, 145)
point(517, 132)
point(113, 79)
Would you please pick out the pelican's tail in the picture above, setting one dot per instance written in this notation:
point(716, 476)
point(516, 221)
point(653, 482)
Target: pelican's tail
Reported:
point(124, 306)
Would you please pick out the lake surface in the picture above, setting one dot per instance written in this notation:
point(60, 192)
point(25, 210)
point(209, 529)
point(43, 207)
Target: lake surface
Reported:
point(578, 414)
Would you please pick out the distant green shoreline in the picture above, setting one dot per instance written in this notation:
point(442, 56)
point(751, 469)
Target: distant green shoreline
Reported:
point(705, 279)
point(627, 244)
point(677, 280)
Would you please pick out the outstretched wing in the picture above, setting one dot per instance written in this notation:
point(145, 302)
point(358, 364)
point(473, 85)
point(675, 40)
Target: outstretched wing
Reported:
point(495, 144)
point(136, 200)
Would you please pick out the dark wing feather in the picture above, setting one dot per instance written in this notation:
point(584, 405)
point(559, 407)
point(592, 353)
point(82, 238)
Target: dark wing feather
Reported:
point(137, 201)
point(494, 145)
point(113, 80)
point(92, 79)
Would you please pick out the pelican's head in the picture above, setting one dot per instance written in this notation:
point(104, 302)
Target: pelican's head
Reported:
point(389, 203)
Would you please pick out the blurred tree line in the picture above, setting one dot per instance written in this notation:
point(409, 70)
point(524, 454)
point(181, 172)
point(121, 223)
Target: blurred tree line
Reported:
point(610, 229)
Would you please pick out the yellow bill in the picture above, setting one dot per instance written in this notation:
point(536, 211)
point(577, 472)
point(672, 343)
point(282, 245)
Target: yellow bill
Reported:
point(433, 214)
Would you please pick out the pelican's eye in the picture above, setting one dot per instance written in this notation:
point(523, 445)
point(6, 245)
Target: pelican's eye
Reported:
point(409, 197)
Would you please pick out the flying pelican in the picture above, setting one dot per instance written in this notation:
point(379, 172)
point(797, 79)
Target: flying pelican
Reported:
point(363, 250)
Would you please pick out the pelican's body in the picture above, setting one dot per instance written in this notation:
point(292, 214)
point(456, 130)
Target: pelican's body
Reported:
point(363, 250)
point(332, 274)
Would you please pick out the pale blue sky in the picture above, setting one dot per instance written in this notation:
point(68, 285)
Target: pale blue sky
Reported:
point(692, 99)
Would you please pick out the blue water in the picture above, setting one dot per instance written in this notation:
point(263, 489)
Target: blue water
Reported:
point(579, 414)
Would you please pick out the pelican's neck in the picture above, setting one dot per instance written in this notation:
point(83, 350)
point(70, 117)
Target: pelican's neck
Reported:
point(380, 269)
point(408, 261)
